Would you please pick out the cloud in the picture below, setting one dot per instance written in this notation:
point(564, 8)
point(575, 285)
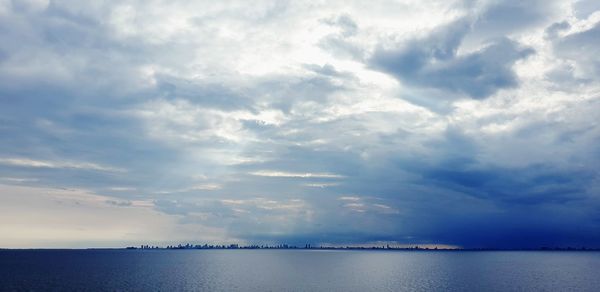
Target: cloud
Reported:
point(434, 61)
point(122, 189)
point(553, 30)
point(502, 18)
point(584, 8)
point(76, 218)
point(268, 173)
point(438, 122)
point(340, 43)
point(364, 204)
point(349, 198)
point(244, 217)
point(579, 47)
point(119, 203)
point(321, 185)
point(25, 162)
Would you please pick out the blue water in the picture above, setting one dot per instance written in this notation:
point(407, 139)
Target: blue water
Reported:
point(297, 270)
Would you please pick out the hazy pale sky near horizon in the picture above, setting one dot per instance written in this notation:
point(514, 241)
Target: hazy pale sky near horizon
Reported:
point(467, 123)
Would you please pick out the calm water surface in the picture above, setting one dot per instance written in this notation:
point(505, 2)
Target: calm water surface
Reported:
point(296, 270)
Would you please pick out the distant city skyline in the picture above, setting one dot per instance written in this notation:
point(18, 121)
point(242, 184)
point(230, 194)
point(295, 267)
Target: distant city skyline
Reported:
point(467, 124)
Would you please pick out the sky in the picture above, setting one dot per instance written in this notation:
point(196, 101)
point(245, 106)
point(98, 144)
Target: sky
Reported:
point(455, 123)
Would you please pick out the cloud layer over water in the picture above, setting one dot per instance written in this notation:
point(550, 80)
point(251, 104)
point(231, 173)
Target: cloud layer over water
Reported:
point(468, 123)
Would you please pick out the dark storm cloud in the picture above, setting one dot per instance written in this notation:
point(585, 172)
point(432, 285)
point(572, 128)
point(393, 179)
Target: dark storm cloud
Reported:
point(448, 193)
point(433, 61)
point(531, 185)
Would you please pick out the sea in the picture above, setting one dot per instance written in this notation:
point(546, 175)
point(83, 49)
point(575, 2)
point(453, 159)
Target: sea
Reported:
point(298, 270)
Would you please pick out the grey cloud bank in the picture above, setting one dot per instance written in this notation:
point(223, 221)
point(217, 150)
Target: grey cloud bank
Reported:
point(433, 62)
point(430, 123)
